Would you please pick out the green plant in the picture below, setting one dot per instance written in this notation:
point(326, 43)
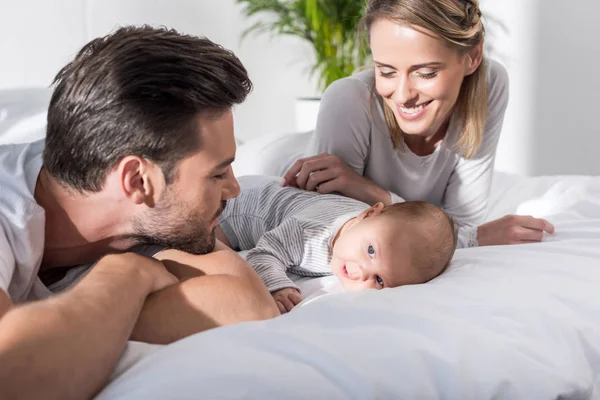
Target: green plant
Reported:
point(330, 26)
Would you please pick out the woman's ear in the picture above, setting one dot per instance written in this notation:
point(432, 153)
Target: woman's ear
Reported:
point(474, 58)
point(371, 211)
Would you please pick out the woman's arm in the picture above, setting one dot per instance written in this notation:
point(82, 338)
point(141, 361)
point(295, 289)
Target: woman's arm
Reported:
point(344, 123)
point(339, 148)
point(466, 196)
point(467, 192)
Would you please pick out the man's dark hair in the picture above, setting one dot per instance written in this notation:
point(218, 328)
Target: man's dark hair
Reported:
point(137, 91)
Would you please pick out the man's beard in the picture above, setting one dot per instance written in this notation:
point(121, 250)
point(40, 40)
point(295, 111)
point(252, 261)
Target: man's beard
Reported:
point(173, 226)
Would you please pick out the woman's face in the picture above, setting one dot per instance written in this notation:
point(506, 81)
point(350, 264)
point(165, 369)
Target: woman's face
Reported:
point(418, 75)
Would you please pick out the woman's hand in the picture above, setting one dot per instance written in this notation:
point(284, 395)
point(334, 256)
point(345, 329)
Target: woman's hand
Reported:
point(325, 173)
point(513, 229)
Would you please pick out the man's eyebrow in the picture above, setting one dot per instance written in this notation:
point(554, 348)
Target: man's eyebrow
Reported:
point(224, 164)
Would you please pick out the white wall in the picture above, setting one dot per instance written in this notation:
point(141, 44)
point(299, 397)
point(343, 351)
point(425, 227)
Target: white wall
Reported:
point(551, 50)
point(567, 88)
point(512, 42)
point(37, 37)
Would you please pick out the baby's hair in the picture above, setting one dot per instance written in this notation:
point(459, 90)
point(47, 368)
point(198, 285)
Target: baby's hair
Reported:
point(433, 229)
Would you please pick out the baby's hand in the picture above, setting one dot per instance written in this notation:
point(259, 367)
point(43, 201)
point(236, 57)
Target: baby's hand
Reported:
point(286, 299)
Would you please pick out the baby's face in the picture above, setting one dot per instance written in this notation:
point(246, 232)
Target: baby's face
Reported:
point(374, 253)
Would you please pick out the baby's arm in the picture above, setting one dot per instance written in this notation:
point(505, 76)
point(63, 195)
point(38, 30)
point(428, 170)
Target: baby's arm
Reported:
point(275, 252)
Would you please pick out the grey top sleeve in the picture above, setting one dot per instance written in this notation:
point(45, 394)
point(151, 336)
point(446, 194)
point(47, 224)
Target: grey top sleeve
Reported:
point(343, 124)
point(467, 191)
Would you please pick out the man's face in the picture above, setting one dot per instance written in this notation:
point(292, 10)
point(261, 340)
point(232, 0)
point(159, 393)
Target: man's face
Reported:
point(186, 214)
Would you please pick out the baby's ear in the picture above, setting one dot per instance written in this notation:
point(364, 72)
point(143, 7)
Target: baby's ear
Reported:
point(372, 211)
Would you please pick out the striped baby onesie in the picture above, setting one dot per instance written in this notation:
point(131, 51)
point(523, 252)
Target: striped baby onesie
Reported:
point(285, 229)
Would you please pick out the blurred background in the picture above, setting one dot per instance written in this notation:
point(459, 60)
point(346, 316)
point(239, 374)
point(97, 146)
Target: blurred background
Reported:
point(551, 49)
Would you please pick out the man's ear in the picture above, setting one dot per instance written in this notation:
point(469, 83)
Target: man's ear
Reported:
point(371, 211)
point(137, 180)
point(474, 58)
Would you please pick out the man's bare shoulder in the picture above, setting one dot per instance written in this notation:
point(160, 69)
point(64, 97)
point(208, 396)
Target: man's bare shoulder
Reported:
point(222, 260)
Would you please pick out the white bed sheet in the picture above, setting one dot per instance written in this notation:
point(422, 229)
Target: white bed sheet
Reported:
point(507, 322)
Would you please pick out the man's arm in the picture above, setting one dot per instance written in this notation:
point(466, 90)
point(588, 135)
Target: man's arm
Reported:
point(217, 289)
point(65, 347)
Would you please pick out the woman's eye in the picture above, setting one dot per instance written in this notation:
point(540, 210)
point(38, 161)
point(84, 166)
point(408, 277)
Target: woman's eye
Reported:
point(379, 280)
point(371, 251)
point(386, 74)
point(428, 75)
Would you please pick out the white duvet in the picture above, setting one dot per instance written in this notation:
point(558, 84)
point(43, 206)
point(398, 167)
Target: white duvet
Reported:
point(507, 322)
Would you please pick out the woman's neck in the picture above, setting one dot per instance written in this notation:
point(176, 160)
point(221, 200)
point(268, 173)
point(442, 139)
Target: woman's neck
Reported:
point(425, 145)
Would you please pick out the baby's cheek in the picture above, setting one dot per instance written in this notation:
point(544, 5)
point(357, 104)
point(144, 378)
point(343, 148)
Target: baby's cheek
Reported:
point(348, 286)
point(336, 270)
point(353, 286)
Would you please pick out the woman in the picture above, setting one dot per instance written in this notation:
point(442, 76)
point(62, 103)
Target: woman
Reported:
point(423, 124)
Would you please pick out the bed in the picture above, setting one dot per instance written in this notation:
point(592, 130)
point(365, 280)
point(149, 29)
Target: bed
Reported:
point(505, 322)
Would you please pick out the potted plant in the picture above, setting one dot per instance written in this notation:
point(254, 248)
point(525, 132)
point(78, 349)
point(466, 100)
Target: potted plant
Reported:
point(329, 26)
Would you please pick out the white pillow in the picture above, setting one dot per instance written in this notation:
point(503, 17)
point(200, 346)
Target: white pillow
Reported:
point(270, 154)
point(23, 114)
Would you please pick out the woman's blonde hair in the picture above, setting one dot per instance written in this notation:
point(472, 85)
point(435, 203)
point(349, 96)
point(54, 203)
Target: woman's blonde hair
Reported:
point(459, 24)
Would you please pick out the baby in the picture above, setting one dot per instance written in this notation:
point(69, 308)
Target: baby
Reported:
point(287, 229)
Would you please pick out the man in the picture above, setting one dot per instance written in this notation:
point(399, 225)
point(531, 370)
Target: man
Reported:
point(138, 155)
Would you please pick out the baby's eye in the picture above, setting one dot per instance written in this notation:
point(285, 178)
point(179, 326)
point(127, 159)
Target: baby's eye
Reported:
point(371, 251)
point(379, 280)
